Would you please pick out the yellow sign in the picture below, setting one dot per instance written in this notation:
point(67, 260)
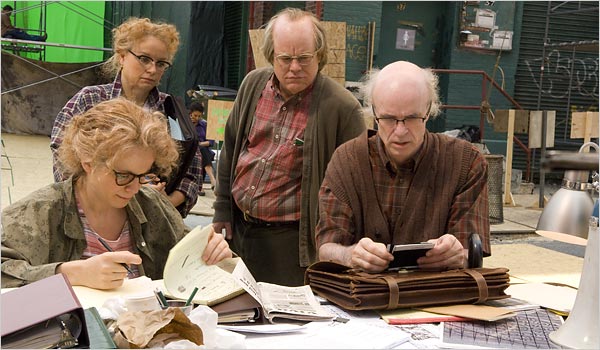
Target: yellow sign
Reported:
point(218, 112)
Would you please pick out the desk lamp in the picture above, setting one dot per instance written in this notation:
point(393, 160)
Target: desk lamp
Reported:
point(570, 217)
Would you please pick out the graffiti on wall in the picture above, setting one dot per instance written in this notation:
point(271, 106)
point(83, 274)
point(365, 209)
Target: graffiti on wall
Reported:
point(558, 70)
point(356, 42)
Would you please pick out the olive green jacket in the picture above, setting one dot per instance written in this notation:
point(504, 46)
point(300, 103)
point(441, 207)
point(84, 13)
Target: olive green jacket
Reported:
point(335, 116)
point(43, 230)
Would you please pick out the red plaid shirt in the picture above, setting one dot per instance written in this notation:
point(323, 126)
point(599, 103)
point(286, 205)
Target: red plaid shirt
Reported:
point(336, 221)
point(268, 174)
point(391, 185)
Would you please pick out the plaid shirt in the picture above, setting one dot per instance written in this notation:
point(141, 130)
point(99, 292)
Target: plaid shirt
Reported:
point(90, 96)
point(268, 177)
point(336, 221)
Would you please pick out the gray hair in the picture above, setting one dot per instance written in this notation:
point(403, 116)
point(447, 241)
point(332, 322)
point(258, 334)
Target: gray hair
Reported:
point(431, 80)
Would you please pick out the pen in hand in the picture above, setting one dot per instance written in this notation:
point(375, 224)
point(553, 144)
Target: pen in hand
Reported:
point(110, 250)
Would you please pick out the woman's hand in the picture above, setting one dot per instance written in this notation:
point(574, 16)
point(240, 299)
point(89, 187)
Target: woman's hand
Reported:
point(102, 271)
point(217, 248)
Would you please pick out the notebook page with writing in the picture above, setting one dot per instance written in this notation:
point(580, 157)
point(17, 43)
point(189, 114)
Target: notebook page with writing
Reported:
point(185, 270)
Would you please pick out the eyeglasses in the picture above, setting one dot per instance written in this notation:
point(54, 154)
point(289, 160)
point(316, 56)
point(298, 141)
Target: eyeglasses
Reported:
point(124, 179)
point(147, 62)
point(392, 122)
point(304, 59)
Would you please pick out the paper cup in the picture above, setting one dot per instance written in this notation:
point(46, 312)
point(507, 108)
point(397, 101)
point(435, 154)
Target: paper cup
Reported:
point(142, 303)
point(181, 305)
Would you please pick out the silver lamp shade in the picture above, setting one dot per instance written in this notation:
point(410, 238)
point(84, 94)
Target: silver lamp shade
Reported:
point(566, 217)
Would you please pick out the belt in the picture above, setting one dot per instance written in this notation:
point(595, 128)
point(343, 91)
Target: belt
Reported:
point(258, 222)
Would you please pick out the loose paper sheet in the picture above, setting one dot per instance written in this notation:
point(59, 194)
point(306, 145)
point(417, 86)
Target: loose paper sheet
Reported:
point(185, 270)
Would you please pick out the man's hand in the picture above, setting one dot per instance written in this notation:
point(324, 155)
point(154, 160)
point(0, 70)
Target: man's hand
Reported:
point(217, 248)
point(448, 253)
point(102, 271)
point(220, 226)
point(366, 255)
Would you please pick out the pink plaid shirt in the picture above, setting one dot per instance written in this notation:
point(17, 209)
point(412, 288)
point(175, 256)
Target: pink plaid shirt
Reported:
point(268, 174)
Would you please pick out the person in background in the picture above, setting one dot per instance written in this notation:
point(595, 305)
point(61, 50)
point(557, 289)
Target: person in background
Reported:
point(204, 145)
point(143, 51)
point(109, 152)
point(284, 126)
point(407, 185)
point(10, 31)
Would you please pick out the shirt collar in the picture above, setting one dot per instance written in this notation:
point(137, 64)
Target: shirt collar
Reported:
point(274, 82)
point(154, 97)
point(411, 164)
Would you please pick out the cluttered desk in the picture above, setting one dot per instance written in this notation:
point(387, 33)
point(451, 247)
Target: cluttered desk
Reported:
point(247, 314)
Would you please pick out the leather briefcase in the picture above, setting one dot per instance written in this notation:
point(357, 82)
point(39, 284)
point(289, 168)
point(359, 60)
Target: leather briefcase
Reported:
point(354, 289)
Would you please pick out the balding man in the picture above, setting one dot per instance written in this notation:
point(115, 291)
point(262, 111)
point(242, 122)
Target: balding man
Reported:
point(285, 124)
point(402, 184)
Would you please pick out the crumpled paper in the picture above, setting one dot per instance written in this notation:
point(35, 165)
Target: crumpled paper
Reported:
point(143, 329)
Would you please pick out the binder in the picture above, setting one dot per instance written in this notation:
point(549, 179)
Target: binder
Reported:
point(99, 336)
point(45, 313)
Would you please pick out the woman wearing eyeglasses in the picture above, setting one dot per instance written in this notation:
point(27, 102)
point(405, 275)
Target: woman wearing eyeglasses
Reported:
point(143, 51)
point(101, 224)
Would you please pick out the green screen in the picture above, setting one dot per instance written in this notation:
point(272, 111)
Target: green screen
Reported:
point(77, 23)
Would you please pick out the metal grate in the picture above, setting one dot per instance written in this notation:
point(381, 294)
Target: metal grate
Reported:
point(496, 208)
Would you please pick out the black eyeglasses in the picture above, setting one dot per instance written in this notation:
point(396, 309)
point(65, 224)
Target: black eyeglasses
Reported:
point(304, 59)
point(148, 61)
point(392, 122)
point(124, 179)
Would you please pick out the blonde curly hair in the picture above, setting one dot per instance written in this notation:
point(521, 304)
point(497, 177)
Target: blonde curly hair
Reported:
point(135, 29)
point(111, 129)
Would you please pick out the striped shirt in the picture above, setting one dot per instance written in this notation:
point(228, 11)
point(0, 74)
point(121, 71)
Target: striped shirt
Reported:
point(94, 247)
point(268, 174)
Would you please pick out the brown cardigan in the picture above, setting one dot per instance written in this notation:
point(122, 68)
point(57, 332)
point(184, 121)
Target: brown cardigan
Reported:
point(440, 176)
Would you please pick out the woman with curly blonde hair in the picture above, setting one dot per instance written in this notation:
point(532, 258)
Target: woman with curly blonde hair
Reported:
point(109, 152)
point(143, 51)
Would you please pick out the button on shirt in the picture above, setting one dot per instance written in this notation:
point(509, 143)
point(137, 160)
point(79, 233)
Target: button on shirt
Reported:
point(268, 174)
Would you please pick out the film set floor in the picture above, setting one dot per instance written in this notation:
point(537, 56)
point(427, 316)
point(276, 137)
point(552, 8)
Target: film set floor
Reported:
point(27, 166)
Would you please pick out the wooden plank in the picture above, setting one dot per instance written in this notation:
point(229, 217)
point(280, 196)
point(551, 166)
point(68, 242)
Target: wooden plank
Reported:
point(521, 121)
point(256, 39)
point(508, 199)
point(579, 125)
point(218, 112)
point(535, 129)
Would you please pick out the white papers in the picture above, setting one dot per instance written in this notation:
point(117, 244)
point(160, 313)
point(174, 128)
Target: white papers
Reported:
point(559, 298)
point(185, 270)
point(272, 328)
point(332, 335)
point(175, 129)
point(89, 297)
point(297, 303)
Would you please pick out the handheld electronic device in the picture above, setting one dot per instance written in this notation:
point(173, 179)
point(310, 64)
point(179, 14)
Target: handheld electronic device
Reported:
point(406, 255)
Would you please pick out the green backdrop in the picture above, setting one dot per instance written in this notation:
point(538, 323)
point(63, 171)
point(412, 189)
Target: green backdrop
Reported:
point(78, 23)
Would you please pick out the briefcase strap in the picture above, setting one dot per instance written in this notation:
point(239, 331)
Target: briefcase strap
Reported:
point(481, 284)
point(394, 292)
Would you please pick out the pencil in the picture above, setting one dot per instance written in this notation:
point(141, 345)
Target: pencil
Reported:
point(110, 250)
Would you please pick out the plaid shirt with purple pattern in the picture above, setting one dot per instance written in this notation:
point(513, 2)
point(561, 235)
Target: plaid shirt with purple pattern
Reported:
point(90, 96)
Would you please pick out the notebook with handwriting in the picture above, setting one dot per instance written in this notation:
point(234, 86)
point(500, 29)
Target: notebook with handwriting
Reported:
point(185, 270)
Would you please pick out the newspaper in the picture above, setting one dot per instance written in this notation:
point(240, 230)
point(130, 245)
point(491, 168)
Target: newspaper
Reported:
point(294, 303)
